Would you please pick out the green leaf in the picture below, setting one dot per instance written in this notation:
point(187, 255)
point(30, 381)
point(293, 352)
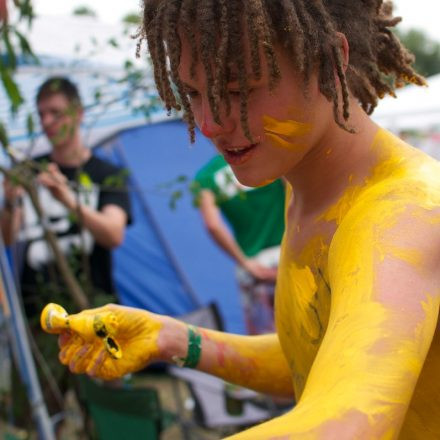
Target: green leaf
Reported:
point(11, 89)
point(113, 42)
point(12, 58)
point(30, 125)
point(182, 179)
point(128, 65)
point(25, 46)
point(72, 218)
point(26, 10)
point(98, 95)
point(4, 140)
point(116, 180)
point(175, 196)
point(44, 164)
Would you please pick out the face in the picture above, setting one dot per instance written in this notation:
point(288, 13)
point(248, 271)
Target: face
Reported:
point(285, 124)
point(60, 119)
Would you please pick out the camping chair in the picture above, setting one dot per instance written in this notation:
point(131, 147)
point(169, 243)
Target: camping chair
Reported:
point(209, 393)
point(124, 412)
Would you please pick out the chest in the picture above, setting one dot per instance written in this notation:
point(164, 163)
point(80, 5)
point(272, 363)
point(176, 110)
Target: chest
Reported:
point(303, 300)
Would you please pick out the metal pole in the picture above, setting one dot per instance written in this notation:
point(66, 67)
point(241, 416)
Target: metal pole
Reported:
point(26, 362)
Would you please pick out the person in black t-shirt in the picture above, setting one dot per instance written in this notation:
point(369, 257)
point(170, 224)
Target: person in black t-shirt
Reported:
point(81, 203)
point(85, 203)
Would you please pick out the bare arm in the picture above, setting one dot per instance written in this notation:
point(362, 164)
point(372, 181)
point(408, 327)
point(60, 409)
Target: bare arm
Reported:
point(107, 226)
point(217, 229)
point(220, 233)
point(250, 361)
point(144, 337)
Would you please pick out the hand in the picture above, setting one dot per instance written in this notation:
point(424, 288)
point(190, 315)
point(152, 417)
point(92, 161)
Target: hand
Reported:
point(260, 272)
point(56, 182)
point(136, 332)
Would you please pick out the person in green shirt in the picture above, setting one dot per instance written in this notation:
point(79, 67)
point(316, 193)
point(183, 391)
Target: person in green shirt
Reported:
point(247, 223)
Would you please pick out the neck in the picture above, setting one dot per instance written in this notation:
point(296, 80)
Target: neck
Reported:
point(71, 154)
point(338, 160)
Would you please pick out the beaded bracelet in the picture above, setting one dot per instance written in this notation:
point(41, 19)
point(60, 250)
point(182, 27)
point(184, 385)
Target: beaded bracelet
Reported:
point(194, 350)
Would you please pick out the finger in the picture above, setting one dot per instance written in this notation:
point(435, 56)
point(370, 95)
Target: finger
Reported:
point(52, 177)
point(79, 360)
point(96, 362)
point(55, 173)
point(53, 167)
point(107, 370)
point(64, 338)
point(68, 350)
point(43, 179)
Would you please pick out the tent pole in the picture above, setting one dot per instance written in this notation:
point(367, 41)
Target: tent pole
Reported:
point(26, 362)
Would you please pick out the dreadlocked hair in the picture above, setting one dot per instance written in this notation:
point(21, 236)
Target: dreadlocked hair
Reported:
point(307, 30)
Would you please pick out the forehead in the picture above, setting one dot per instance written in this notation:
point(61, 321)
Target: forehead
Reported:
point(228, 65)
point(54, 100)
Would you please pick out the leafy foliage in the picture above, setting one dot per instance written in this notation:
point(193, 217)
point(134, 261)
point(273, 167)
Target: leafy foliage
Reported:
point(426, 50)
point(133, 18)
point(14, 47)
point(84, 11)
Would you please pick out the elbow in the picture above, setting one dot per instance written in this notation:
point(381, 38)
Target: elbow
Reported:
point(115, 240)
point(118, 240)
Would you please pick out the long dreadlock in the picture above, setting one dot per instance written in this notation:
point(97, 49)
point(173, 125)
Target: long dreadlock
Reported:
point(307, 31)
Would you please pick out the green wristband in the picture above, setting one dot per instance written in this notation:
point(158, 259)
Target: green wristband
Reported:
point(194, 349)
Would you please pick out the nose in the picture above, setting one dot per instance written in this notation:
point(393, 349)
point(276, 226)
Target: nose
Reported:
point(212, 128)
point(46, 120)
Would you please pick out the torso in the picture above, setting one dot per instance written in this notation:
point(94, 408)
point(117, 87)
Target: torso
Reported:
point(39, 278)
point(303, 296)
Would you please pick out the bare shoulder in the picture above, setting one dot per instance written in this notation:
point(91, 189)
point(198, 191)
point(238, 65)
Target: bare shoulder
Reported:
point(397, 216)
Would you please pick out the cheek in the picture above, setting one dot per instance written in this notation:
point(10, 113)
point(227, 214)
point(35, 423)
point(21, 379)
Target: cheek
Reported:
point(286, 134)
point(196, 109)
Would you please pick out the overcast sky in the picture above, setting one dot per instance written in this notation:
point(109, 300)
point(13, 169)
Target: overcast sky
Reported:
point(423, 14)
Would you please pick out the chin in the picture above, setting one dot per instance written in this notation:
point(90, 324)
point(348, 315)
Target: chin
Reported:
point(253, 181)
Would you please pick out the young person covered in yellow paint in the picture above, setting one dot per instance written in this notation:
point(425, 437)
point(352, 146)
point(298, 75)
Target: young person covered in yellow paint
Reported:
point(284, 88)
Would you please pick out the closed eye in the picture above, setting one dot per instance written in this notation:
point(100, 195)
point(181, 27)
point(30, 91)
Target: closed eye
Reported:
point(236, 93)
point(191, 93)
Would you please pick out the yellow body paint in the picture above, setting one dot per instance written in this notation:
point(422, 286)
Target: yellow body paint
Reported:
point(54, 319)
point(106, 342)
point(285, 134)
point(360, 344)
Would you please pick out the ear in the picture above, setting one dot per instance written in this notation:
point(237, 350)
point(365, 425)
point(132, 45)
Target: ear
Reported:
point(345, 49)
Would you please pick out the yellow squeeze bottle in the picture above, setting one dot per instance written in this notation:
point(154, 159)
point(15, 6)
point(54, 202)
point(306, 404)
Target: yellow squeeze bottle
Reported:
point(54, 319)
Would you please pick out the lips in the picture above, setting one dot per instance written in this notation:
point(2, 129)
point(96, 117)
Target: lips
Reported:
point(238, 155)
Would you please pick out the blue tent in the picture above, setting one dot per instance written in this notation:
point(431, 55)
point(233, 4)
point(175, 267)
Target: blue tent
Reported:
point(168, 264)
